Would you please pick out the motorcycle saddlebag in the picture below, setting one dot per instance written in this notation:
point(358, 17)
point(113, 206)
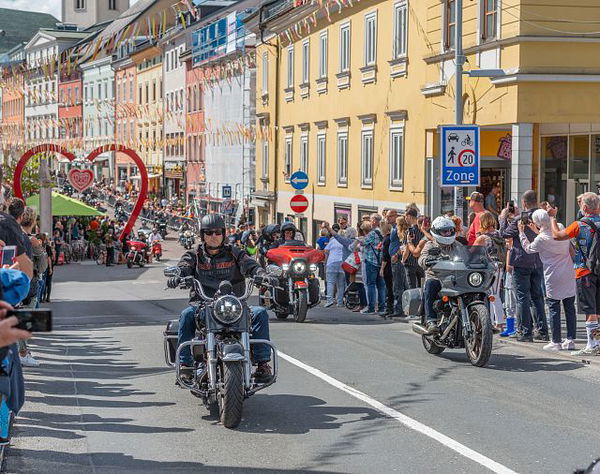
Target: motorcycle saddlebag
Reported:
point(170, 337)
point(412, 302)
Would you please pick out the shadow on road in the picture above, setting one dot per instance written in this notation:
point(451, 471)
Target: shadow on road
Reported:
point(518, 363)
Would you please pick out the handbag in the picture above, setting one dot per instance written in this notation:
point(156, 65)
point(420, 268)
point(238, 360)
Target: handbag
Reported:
point(352, 263)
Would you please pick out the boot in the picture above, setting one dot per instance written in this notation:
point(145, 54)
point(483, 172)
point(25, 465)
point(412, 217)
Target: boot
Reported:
point(510, 328)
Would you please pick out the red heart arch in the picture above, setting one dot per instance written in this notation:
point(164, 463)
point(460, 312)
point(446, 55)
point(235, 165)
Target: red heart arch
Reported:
point(49, 147)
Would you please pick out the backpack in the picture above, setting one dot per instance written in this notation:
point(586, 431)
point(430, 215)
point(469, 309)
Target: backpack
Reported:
point(592, 259)
point(499, 245)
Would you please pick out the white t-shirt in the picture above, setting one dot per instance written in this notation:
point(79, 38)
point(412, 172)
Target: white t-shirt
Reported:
point(336, 252)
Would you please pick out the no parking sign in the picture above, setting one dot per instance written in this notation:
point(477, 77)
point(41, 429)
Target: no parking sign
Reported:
point(460, 155)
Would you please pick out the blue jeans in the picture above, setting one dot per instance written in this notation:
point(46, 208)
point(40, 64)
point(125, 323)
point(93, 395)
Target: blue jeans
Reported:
point(375, 287)
point(259, 330)
point(431, 291)
point(528, 285)
point(41, 287)
point(570, 316)
point(336, 277)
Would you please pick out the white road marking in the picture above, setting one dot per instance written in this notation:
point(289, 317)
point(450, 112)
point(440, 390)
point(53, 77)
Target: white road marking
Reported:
point(402, 418)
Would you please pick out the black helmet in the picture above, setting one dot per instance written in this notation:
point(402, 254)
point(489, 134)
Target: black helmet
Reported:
point(212, 222)
point(288, 226)
point(269, 230)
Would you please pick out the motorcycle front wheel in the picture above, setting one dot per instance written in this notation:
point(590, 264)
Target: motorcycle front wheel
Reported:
point(301, 307)
point(129, 263)
point(479, 344)
point(231, 399)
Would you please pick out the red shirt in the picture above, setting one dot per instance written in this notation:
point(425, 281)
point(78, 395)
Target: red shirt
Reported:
point(474, 229)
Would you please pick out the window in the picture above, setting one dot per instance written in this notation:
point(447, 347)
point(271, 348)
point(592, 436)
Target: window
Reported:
point(154, 91)
point(265, 158)
point(342, 158)
point(370, 39)
point(112, 4)
point(449, 24)
point(131, 98)
point(400, 29)
point(288, 159)
point(265, 73)
point(489, 17)
point(321, 156)
point(396, 157)
point(99, 91)
point(140, 94)
point(79, 4)
point(304, 153)
point(366, 152)
point(305, 62)
point(106, 89)
point(290, 67)
point(345, 47)
point(323, 54)
point(147, 92)
point(77, 94)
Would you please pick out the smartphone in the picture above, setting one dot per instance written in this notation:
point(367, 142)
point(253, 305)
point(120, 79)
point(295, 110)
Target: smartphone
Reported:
point(524, 217)
point(9, 253)
point(511, 207)
point(33, 320)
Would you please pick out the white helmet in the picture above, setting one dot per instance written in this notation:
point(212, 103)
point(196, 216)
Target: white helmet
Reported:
point(443, 230)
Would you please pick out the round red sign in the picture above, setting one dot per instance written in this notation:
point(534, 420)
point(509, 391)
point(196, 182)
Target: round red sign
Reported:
point(299, 203)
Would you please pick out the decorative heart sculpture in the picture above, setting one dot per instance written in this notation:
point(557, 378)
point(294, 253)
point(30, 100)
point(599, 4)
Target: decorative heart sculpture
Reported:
point(49, 147)
point(81, 179)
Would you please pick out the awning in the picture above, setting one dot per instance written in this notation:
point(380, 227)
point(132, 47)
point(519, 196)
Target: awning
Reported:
point(150, 176)
point(65, 206)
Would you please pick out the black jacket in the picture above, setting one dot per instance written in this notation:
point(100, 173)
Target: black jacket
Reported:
point(231, 263)
point(518, 256)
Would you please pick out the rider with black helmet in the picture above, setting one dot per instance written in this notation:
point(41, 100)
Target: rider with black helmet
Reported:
point(288, 231)
point(268, 236)
point(210, 263)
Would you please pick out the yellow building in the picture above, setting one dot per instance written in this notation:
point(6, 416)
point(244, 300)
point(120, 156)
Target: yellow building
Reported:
point(149, 129)
point(354, 94)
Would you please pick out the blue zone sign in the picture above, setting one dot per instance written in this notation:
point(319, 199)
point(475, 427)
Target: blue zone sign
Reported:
point(460, 155)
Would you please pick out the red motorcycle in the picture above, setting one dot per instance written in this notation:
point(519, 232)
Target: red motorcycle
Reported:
point(157, 250)
point(299, 287)
point(136, 255)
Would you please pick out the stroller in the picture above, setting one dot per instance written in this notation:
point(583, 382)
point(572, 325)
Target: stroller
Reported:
point(351, 296)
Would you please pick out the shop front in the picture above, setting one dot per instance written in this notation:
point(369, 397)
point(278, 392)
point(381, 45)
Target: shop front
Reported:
point(174, 179)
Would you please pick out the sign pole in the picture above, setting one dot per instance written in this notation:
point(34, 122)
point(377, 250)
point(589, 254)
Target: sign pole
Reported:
point(459, 60)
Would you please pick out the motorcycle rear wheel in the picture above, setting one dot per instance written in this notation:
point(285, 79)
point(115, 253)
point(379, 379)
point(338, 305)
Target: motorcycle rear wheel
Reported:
point(231, 399)
point(301, 307)
point(479, 346)
point(431, 347)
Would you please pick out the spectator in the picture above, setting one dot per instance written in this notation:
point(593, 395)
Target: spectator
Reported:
point(527, 273)
point(336, 278)
point(476, 206)
point(12, 234)
point(109, 241)
point(57, 239)
point(323, 239)
point(373, 258)
point(424, 224)
point(491, 201)
point(559, 277)
point(398, 253)
point(588, 284)
point(386, 268)
point(414, 235)
point(345, 230)
point(489, 237)
point(460, 230)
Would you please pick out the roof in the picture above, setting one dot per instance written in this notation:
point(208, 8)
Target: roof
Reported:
point(21, 26)
point(64, 34)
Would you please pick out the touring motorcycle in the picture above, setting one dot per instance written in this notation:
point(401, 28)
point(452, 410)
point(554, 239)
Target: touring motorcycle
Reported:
point(463, 315)
point(222, 375)
point(299, 287)
point(186, 239)
point(136, 255)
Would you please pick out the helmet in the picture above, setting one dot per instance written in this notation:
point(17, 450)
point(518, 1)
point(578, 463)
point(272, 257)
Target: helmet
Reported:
point(443, 230)
point(269, 230)
point(288, 226)
point(212, 222)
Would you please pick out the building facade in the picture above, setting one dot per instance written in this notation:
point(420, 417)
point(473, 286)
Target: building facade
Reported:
point(85, 13)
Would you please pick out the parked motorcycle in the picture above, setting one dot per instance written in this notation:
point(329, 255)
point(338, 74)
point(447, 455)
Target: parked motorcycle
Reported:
point(222, 375)
point(463, 315)
point(156, 250)
point(299, 288)
point(136, 254)
point(187, 240)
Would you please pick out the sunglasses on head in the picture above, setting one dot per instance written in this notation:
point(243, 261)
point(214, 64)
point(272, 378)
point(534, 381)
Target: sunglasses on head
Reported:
point(213, 232)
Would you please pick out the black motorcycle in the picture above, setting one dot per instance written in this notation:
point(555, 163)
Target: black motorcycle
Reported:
point(161, 224)
point(222, 375)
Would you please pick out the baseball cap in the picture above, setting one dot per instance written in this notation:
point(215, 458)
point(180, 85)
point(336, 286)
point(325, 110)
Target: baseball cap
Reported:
point(476, 196)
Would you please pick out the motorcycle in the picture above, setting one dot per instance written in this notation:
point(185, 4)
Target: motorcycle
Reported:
point(299, 289)
point(157, 250)
point(222, 376)
point(136, 255)
point(463, 315)
point(161, 224)
point(187, 239)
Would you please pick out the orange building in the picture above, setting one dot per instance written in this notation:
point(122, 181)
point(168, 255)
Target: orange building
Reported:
point(125, 118)
point(13, 112)
point(70, 106)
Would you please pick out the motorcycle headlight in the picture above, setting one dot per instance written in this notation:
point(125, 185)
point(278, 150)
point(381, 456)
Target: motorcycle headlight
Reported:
point(299, 267)
point(228, 309)
point(313, 267)
point(475, 279)
point(285, 267)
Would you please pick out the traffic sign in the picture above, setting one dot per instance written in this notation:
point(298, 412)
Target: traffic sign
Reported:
point(460, 155)
point(299, 203)
point(299, 180)
point(226, 192)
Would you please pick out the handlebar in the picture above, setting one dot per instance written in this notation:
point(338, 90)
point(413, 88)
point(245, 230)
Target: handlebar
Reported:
point(191, 282)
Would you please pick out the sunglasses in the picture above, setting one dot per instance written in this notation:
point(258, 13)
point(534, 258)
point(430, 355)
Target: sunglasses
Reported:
point(213, 232)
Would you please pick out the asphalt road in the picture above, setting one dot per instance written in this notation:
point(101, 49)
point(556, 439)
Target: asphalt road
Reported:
point(355, 394)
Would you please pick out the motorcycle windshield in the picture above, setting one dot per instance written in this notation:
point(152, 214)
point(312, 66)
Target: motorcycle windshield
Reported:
point(474, 256)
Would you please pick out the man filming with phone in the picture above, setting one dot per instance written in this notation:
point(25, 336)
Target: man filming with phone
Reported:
point(12, 235)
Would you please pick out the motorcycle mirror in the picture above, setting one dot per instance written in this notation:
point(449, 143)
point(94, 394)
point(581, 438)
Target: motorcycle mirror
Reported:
point(274, 270)
point(225, 288)
point(170, 272)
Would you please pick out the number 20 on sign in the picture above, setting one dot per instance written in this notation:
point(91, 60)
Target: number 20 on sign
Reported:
point(460, 155)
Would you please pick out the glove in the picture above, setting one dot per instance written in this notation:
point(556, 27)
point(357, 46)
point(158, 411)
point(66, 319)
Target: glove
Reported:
point(430, 261)
point(173, 282)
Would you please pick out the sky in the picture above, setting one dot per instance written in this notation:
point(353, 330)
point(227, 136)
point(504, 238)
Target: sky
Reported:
point(44, 6)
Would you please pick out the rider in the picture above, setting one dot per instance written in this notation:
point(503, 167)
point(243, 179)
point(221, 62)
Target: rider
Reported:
point(213, 261)
point(288, 233)
point(444, 243)
point(154, 235)
point(269, 235)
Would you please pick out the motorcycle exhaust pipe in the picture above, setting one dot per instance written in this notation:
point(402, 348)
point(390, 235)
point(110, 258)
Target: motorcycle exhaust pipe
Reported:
point(419, 329)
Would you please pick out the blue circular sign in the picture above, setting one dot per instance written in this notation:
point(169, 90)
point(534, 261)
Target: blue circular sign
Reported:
point(299, 180)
